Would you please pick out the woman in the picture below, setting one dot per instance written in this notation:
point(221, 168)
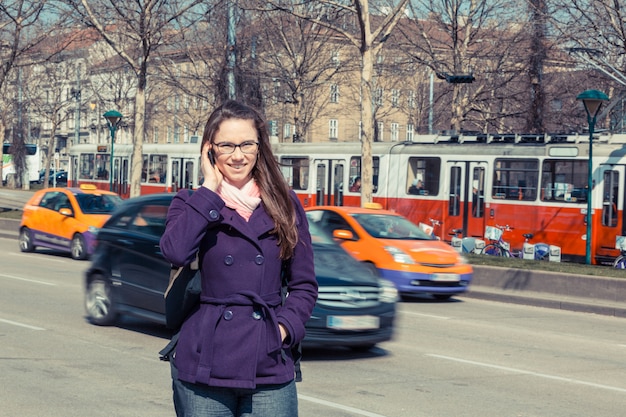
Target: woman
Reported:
point(234, 356)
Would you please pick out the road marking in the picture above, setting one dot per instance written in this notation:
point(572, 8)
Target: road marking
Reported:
point(21, 324)
point(524, 372)
point(34, 281)
point(432, 316)
point(339, 406)
point(50, 258)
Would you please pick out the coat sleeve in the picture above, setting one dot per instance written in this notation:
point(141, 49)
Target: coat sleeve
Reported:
point(302, 284)
point(189, 217)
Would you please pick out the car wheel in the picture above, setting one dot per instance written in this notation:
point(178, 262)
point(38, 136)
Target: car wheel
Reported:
point(99, 303)
point(442, 296)
point(78, 247)
point(372, 268)
point(26, 240)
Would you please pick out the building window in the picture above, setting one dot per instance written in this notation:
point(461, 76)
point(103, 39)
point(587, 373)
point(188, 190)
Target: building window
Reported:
point(287, 131)
point(169, 134)
point(394, 132)
point(333, 127)
point(176, 134)
point(334, 93)
point(334, 58)
point(411, 100)
point(410, 130)
point(155, 134)
point(378, 96)
point(395, 98)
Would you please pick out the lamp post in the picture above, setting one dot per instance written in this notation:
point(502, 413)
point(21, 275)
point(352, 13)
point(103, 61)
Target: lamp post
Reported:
point(592, 99)
point(113, 119)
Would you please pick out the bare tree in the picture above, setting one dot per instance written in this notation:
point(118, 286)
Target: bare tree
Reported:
point(45, 91)
point(354, 21)
point(136, 31)
point(595, 34)
point(22, 29)
point(480, 38)
point(296, 61)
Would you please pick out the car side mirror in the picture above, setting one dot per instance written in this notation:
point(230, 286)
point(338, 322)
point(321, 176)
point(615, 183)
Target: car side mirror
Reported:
point(66, 212)
point(343, 234)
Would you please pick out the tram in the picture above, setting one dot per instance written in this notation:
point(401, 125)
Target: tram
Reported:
point(533, 183)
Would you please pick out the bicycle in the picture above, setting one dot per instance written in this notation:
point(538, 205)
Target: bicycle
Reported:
point(465, 244)
point(430, 230)
point(620, 261)
point(537, 251)
point(497, 246)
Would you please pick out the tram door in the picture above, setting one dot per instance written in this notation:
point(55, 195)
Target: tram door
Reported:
point(124, 177)
point(610, 219)
point(120, 175)
point(182, 173)
point(329, 182)
point(466, 197)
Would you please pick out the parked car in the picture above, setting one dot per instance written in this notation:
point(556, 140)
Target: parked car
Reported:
point(51, 172)
point(65, 219)
point(128, 276)
point(399, 250)
point(59, 179)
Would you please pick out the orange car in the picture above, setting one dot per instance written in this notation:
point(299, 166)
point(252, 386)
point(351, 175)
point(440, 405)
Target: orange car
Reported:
point(399, 250)
point(66, 219)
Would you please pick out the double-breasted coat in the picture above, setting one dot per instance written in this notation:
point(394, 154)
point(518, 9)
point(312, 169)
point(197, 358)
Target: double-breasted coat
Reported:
point(232, 339)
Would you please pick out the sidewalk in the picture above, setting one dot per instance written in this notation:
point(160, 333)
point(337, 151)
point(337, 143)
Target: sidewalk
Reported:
point(589, 294)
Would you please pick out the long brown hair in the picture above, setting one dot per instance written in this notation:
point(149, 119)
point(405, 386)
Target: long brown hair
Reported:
point(266, 172)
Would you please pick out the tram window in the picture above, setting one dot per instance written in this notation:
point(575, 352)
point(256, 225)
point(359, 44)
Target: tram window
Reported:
point(564, 181)
point(423, 176)
point(515, 179)
point(609, 199)
point(296, 172)
point(86, 166)
point(157, 168)
point(454, 204)
point(478, 192)
point(102, 167)
point(355, 170)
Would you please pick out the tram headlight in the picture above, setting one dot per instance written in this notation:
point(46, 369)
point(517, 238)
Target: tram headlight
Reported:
point(399, 255)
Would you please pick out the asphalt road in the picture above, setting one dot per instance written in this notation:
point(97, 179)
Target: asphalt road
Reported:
point(466, 357)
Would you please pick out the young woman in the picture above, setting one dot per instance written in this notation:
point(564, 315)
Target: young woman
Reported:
point(234, 353)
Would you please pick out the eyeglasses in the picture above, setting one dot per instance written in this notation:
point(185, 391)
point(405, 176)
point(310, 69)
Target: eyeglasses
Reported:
point(245, 147)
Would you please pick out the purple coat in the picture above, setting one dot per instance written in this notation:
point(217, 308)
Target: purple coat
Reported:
point(233, 339)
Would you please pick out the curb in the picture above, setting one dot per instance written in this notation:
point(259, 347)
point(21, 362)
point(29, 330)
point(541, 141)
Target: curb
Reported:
point(582, 293)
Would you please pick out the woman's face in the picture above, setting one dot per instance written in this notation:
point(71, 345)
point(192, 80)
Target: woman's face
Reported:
point(237, 166)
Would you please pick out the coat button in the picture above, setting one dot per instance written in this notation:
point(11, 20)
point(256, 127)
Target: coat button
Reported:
point(256, 315)
point(228, 315)
point(228, 259)
point(214, 215)
point(259, 259)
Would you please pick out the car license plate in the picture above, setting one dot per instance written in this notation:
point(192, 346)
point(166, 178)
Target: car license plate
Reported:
point(353, 322)
point(446, 277)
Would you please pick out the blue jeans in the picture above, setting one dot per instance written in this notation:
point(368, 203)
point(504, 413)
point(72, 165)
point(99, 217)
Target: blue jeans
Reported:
point(198, 400)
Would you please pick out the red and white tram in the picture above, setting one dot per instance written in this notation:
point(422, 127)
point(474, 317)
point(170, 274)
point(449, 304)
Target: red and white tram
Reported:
point(535, 184)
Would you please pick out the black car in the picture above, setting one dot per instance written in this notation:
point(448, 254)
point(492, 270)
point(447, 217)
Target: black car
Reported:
point(128, 276)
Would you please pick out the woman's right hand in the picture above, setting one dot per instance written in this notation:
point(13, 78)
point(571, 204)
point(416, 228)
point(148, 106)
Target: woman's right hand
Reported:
point(212, 175)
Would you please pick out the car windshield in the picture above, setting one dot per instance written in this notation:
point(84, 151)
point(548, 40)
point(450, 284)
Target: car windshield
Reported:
point(97, 203)
point(390, 227)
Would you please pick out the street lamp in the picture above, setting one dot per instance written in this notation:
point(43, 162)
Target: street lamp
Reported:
point(592, 99)
point(113, 118)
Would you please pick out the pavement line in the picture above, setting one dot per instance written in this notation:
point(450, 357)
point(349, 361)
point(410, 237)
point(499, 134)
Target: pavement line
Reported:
point(339, 406)
point(21, 324)
point(432, 316)
point(27, 280)
point(524, 372)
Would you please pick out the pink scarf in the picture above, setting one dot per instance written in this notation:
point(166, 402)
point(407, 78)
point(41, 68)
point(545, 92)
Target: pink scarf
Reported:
point(243, 200)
